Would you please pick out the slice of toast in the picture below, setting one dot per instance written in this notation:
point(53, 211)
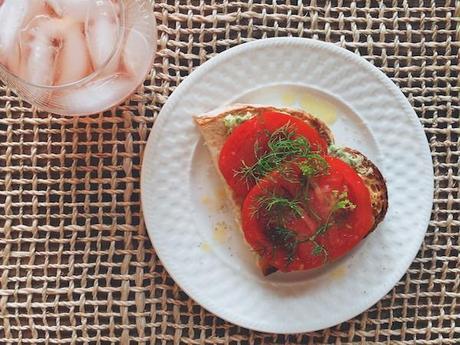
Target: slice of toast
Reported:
point(215, 133)
point(374, 181)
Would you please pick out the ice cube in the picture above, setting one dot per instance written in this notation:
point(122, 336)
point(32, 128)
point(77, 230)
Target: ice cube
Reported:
point(137, 54)
point(76, 9)
point(39, 50)
point(99, 95)
point(138, 51)
point(14, 14)
point(101, 32)
point(116, 7)
point(73, 59)
point(38, 65)
point(56, 7)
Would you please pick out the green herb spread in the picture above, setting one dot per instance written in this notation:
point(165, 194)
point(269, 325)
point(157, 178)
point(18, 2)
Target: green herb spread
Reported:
point(349, 158)
point(231, 121)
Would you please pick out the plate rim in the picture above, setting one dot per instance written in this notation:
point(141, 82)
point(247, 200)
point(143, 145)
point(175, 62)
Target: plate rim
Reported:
point(175, 96)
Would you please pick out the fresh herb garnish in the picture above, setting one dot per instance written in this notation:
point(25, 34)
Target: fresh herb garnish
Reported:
point(289, 240)
point(293, 157)
point(341, 203)
point(286, 239)
point(318, 249)
point(278, 208)
point(281, 235)
point(281, 146)
point(313, 165)
point(322, 229)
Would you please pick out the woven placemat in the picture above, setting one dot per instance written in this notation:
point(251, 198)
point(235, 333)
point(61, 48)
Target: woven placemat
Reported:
point(77, 266)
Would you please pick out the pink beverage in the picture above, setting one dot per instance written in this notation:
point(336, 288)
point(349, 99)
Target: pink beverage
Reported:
point(76, 56)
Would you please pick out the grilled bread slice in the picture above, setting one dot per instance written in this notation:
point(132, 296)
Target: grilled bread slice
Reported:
point(215, 132)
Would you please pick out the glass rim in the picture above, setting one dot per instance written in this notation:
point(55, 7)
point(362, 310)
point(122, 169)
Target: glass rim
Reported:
point(89, 77)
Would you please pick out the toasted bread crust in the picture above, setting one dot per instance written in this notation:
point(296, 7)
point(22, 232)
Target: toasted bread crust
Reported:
point(215, 121)
point(375, 183)
point(215, 134)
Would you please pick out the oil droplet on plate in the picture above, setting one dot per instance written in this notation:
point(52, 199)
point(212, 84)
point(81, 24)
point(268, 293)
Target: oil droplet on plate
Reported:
point(288, 98)
point(213, 203)
point(220, 232)
point(205, 200)
point(205, 247)
point(310, 103)
point(319, 108)
point(339, 273)
point(220, 193)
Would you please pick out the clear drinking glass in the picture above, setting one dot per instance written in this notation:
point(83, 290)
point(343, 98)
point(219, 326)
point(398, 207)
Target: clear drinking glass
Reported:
point(76, 56)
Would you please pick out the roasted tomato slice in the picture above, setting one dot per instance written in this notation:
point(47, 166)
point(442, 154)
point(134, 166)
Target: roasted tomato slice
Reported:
point(257, 147)
point(298, 222)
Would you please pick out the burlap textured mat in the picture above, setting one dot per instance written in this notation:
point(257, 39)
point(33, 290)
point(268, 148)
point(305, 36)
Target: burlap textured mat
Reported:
point(77, 266)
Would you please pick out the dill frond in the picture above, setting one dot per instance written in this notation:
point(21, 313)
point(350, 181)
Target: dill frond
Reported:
point(281, 146)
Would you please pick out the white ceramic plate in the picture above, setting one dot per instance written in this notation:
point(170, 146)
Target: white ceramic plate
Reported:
point(184, 206)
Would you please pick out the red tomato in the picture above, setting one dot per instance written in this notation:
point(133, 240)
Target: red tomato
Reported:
point(341, 238)
point(249, 141)
point(317, 200)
